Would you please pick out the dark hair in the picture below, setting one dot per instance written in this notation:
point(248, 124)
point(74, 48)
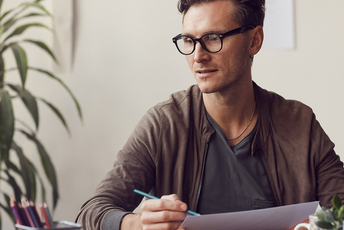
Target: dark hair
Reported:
point(247, 12)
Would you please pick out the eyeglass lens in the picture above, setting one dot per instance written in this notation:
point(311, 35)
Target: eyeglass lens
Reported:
point(212, 43)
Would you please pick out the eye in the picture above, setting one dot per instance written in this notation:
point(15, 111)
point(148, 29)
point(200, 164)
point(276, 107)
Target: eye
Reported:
point(187, 41)
point(213, 38)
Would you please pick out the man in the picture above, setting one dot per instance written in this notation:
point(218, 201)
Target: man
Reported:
point(222, 145)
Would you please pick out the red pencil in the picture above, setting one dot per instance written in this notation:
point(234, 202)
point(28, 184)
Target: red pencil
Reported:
point(44, 214)
point(46, 208)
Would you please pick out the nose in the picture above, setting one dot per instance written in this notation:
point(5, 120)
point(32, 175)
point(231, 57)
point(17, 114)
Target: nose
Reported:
point(200, 55)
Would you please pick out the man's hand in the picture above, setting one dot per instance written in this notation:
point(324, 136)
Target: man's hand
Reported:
point(166, 213)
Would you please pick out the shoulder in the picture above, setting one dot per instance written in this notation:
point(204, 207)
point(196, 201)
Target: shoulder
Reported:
point(180, 103)
point(288, 121)
point(277, 107)
point(181, 97)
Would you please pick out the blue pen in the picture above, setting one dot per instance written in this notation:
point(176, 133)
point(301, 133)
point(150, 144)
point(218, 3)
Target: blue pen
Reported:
point(154, 197)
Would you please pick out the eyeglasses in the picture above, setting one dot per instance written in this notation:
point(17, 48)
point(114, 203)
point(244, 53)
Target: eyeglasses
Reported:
point(211, 42)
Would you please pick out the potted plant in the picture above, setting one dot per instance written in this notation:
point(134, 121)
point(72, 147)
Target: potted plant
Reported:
point(13, 25)
point(331, 218)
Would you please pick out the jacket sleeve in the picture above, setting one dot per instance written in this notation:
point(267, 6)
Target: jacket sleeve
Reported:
point(329, 168)
point(134, 169)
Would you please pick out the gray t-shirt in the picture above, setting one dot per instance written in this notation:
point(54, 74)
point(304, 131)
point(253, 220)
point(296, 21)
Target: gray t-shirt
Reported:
point(234, 180)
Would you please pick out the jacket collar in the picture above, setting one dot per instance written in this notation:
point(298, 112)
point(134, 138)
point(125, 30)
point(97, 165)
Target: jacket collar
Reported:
point(263, 126)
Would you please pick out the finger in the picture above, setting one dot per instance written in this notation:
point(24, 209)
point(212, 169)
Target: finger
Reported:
point(163, 204)
point(162, 216)
point(172, 197)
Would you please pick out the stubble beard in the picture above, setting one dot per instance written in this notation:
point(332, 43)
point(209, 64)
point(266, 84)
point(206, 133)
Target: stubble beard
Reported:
point(233, 86)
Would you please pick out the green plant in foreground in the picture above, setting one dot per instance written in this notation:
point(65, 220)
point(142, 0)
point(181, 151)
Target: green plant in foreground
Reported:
point(331, 218)
point(12, 27)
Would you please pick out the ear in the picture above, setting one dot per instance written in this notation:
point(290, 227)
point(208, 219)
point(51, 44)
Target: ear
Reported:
point(256, 41)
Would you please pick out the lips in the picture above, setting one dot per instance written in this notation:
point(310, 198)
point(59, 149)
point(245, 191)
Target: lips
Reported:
point(206, 71)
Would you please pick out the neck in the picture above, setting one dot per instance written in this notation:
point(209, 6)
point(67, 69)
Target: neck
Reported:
point(232, 110)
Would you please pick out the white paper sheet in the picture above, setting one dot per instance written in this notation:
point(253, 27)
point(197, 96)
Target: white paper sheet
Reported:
point(278, 218)
point(279, 25)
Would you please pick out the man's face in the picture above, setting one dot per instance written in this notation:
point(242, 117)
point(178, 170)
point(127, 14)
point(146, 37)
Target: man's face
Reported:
point(217, 71)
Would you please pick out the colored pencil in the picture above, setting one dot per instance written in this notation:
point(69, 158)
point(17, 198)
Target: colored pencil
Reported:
point(33, 207)
point(46, 208)
point(23, 215)
point(27, 213)
point(44, 214)
point(32, 214)
point(16, 211)
point(154, 197)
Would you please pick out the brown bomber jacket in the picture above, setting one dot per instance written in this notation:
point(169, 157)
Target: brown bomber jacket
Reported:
point(166, 151)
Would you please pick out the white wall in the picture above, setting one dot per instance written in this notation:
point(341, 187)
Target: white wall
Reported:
point(125, 63)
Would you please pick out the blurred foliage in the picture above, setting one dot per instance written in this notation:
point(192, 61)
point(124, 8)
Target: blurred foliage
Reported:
point(331, 218)
point(12, 36)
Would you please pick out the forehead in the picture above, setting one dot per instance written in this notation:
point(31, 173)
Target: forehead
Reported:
point(212, 16)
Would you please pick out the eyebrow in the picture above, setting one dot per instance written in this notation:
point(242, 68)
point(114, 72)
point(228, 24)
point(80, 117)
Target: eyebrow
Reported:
point(212, 31)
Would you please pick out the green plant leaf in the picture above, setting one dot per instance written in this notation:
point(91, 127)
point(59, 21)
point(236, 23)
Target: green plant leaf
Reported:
point(340, 212)
point(57, 112)
point(7, 199)
point(22, 7)
point(11, 165)
point(29, 174)
point(39, 178)
point(0, 9)
point(7, 25)
point(8, 210)
point(336, 201)
point(25, 172)
point(3, 47)
point(21, 60)
point(10, 22)
point(33, 186)
point(1, 32)
point(6, 13)
point(18, 121)
point(2, 71)
point(48, 167)
point(37, 5)
point(44, 47)
point(22, 28)
point(16, 189)
point(64, 85)
point(19, 10)
point(323, 224)
point(6, 122)
point(329, 217)
point(29, 101)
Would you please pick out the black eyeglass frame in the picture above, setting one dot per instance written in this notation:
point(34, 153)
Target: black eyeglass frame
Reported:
point(221, 36)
